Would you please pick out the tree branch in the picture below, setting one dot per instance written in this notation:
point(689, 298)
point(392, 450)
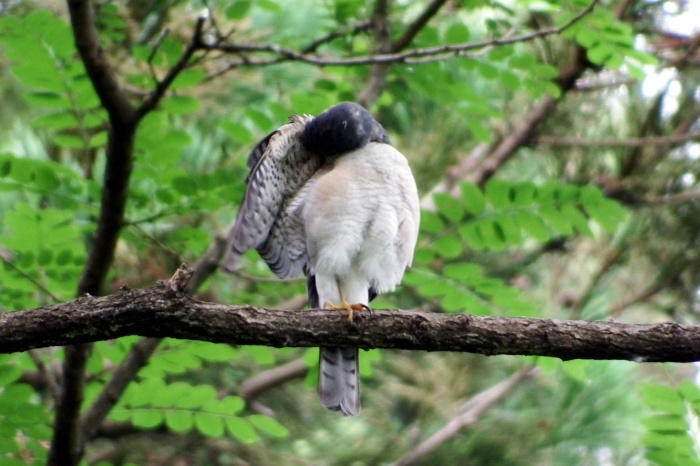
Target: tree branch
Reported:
point(64, 444)
point(629, 142)
point(162, 86)
point(381, 29)
point(162, 311)
point(417, 25)
point(419, 55)
point(468, 415)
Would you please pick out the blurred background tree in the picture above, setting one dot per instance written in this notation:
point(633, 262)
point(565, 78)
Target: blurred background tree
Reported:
point(555, 145)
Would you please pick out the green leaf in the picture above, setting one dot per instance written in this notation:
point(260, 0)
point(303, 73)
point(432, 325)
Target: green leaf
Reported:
point(180, 104)
point(241, 429)
point(188, 78)
point(473, 198)
point(666, 423)
point(147, 418)
point(210, 425)
point(238, 9)
point(231, 405)
point(509, 80)
point(448, 246)
point(462, 272)
point(508, 229)
point(185, 185)
point(486, 70)
point(268, 426)
point(576, 369)
point(269, 5)
point(98, 140)
point(214, 351)
point(9, 374)
point(608, 213)
point(689, 391)
point(448, 206)
point(523, 194)
point(577, 219)
point(492, 236)
point(47, 99)
point(523, 61)
point(179, 421)
point(471, 235)
point(600, 53)
point(556, 220)
point(457, 33)
point(56, 121)
point(478, 130)
point(532, 225)
point(498, 193)
point(662, 398)
point(261, 354)
point(68, 141)
point(430, 222)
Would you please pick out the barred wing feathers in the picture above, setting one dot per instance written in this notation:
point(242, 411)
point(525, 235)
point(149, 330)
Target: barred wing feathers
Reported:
point(266, 220)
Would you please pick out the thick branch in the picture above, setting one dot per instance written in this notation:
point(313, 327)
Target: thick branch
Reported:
point(64, 445)
point(164, 312)
point(101, 74)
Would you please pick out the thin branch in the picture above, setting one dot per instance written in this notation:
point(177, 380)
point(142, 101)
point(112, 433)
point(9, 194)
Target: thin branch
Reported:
point(331, 36)
point(162, 86)
point(672, 139)
point(46, 375)
point(419, 55)
point(255, 386)
point(162, 311)
point(114, 388)
point(39, 286)
point(468, 416)
point(164, 33)
point(417, 25)
point(685, 196)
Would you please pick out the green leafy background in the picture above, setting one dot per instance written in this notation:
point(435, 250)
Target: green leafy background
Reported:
point(544, 237)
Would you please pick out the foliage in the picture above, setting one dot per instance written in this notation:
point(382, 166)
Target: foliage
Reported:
point(673, 432)
point(548, 236)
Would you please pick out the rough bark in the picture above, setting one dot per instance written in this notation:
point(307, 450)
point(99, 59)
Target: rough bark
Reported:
point(164, 311)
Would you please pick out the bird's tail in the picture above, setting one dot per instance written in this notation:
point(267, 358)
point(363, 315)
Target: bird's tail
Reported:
point(339, 380)
point(338, 369)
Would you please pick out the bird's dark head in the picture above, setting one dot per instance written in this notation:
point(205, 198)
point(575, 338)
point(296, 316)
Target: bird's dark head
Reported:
point(342, 128)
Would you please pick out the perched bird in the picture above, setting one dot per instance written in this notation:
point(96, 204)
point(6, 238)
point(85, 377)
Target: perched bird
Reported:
point(331, 197)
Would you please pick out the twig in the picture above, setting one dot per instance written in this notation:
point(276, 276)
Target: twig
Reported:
point(419, 55)
point(331, 36)
point(31, 279)
point(54, 388)
point(468, 416)
point(162, 86)
point(164, 33)
point(564, 141)
point(417, 25)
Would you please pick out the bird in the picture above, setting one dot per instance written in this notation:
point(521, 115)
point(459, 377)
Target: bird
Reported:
point(330, 197)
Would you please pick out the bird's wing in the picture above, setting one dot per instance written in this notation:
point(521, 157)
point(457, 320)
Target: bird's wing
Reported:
point(281, 166)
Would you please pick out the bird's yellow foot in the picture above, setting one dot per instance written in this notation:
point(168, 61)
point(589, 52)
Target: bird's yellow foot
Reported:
point(345, 306)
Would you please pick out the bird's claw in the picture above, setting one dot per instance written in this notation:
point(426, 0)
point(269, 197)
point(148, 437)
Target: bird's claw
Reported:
point(349, 308)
